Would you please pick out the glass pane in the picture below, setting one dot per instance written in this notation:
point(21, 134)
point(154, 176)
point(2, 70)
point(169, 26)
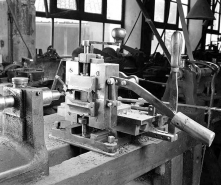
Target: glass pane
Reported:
point(66, 36)
point(217, 7)
point(67, 4)
point(208, 39)
point(40, 6)
point(168, 34)
point(92, 31)
point(173, 13)
point(159, 10)
point(114, 9)
point(185, 11)
point(214, 38)
point(184, 1)
point(216, 22)
point(43, 33)
point(93, 6)
point(107, 34)
point(155, 42)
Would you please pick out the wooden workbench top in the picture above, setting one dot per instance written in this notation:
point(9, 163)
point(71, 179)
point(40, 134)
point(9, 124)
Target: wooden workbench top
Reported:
point(93, 168)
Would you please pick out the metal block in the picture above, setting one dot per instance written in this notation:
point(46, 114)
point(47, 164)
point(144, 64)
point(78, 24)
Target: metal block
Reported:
point(23, 152)
point(82, 83)
point(86, 57)
point(72, 68)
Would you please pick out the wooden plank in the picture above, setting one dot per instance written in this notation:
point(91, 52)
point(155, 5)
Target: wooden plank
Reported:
point(133, 161)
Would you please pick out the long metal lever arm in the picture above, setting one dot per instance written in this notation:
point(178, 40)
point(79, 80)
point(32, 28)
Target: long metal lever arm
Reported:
point(178, 119)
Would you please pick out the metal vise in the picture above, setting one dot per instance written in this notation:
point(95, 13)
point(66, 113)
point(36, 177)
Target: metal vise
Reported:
point(23, 153)
point(93, 117)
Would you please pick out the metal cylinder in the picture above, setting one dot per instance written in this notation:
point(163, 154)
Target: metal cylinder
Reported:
point(19, 82)
point(49, 96)
point(176, 49)
point(6, 102)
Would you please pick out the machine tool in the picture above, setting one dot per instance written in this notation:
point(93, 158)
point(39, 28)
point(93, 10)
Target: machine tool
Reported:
point(95, 120)
point(22, 145)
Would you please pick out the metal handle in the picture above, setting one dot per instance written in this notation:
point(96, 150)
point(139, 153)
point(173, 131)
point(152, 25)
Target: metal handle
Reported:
point(176, 49)
point(193, 128)
point(178, 119)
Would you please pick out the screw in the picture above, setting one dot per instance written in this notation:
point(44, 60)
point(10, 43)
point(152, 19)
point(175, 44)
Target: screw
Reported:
point(71, 70)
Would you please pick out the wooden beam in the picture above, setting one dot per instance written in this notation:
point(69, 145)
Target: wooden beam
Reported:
point(133, 161)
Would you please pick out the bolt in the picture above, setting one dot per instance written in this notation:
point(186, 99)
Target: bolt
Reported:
point(111, 139)
point(123, 83)
point(38, 93)
point(109, 104)
point(98, 73)
point(110, 81)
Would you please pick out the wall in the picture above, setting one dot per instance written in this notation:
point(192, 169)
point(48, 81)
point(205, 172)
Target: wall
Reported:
point(131, 14)
point(4, 30)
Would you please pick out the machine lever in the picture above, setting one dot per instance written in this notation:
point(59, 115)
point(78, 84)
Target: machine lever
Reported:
point(178, 119)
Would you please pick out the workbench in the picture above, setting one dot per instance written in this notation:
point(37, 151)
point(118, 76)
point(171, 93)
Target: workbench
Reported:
point(182, 160)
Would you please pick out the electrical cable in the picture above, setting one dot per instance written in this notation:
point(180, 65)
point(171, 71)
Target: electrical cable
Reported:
point(177, 91)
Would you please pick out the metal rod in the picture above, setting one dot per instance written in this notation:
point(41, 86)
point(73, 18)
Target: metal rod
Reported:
point(153, 28)
point(127, 100)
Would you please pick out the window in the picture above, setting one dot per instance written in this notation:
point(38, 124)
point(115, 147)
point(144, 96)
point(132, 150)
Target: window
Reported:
point(170, 23)
point(76, 20)
point(214, 30)
point(43, 33)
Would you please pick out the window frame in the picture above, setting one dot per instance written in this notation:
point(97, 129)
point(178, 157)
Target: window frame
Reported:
point(211, 31)
point(79, 14)
point(175, 27)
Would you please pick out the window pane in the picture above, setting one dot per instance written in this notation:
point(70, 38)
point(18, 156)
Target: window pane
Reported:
point(216, 22)
point(217, 7)
point(159, 10)
point(185, 11)
point(173, 13)
point(184, 1)
point(66, 33)
point(40, 6)
point(114, 9)
point(43, 33)
point(92, 31)
point(93, 6)
point(208, 39)
point(67, 4)
point(107, 34)
point(168, 34)
point(155, 42)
